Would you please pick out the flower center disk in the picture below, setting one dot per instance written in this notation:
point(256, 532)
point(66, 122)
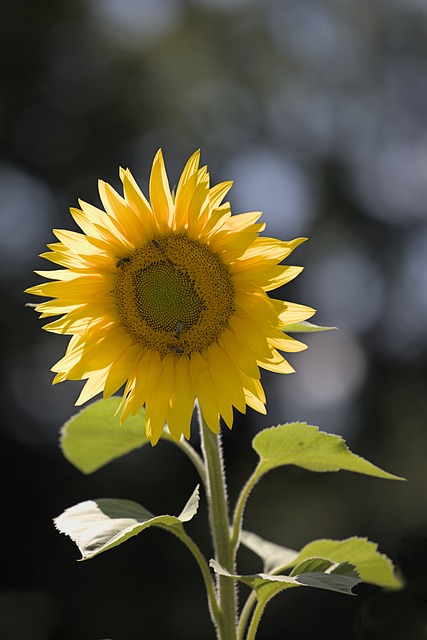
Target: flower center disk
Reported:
point(174, 295)
point(165, 296)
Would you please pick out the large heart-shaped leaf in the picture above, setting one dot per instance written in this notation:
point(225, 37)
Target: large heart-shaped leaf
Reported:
point(305, 446)
point(93, 437)
point(372, 566)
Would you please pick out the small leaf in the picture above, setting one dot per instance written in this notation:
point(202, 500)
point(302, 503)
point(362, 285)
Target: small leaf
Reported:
point(373, 567)
point(305, 327)
point(321, 574)
point(93, 437)
point(305, 446)
point(273, 555)
point(98, 525)
point(311, 565)
point(318, 573)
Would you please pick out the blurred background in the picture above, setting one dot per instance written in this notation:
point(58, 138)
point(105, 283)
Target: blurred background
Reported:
point(318, 112)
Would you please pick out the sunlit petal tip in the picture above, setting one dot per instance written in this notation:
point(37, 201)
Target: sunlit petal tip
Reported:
point(255, 403)
point(158, 166)
point(101, 186)
point(123, 173)
point(125, 414)
point(295, 313)
point(190, 169)
point(60, 377)
point(193, 162)
point(296, 241)
point(153, 435)
point(160, 193)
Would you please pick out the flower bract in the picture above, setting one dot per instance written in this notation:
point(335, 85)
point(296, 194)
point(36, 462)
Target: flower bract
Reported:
point(168, 299)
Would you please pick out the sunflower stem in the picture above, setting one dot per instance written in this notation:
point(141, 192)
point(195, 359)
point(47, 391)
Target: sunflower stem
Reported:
point(245, 614)
point(220, 528)
point(253, 627)
point(240, 508)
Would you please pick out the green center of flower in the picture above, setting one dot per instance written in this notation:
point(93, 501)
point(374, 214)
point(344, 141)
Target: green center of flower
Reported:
point(174, 295)
point(165, 296)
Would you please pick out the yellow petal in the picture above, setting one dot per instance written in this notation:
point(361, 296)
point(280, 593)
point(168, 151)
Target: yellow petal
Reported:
point(93, 386)
point(203, 385)
point(182, 202)
point(84, 223)
point(255, 396)
point(198, 201)
point(286, 343)
point(160, 194)
point(76, 242)
point(133, 228)
point(120, 368)
point(295, 313)
point(249, 334)
point(72, 355)
point(188, 172)
point(242, 221)
point(218, 193)
point(57, 274)
point(145, 376)
point(242, 358)
point(225, 377)
point(271, 249)
point(182, 403)
point(276, 363)
point(157, 404)
point(266, 276)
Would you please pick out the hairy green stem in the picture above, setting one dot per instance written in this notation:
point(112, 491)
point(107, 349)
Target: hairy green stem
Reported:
point(244, 616)
point(239, 510)
point(253, 627)
point(220, 527)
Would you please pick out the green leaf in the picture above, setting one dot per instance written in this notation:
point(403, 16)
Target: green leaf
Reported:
point(98, 525)
point(373, 567)
point(318, 573)
point(94, 437)
point(273, 555)
point(323, 574)
point(305, 327)
point(305, 446)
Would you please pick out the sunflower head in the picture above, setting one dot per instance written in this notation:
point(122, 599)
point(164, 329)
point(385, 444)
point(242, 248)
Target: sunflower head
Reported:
point(168, 299)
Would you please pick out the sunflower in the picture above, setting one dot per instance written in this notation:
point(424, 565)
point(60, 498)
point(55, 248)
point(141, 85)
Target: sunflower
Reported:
point(168, 298)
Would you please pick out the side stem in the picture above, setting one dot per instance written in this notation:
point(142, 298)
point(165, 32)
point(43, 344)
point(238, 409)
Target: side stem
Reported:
point(180, 532)
point(253, 627)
